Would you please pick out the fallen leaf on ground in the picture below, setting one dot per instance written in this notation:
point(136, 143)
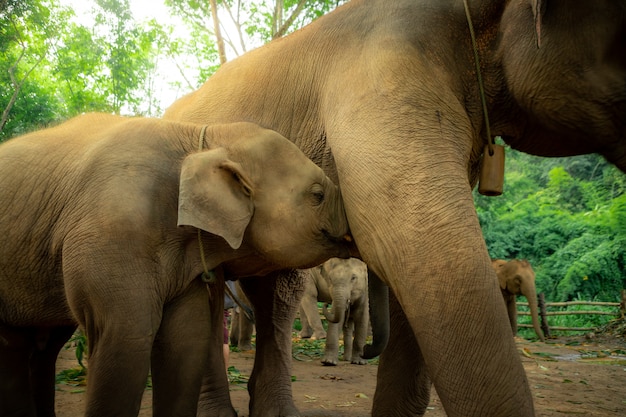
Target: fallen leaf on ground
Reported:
point(331, 377)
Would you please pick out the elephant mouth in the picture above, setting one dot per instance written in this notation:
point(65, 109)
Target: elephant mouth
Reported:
point(345, 241)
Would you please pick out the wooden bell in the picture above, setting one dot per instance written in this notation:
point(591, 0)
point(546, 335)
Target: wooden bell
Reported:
point(491, 179)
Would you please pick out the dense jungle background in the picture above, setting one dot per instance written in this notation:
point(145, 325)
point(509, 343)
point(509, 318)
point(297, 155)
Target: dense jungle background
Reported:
point(567, 216)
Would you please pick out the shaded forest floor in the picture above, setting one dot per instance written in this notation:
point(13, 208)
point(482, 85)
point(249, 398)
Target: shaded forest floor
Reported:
point(583, 376)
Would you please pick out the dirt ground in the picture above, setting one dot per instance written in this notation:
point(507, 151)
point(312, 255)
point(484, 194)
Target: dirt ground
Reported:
point(568, 376)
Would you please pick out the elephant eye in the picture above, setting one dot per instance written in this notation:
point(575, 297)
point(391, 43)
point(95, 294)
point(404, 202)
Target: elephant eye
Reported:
point(319, 198)
point(246, 190)
point(317, 193)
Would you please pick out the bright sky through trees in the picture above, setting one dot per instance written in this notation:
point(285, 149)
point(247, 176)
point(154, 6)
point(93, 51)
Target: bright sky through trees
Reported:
point(143, 11)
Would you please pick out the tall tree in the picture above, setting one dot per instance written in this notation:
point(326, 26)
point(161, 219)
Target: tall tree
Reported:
point(27, 34)
point(52, 68)
point(246, 24)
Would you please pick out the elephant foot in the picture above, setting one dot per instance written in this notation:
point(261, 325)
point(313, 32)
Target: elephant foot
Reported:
point(284, 410)
point(329, 362)
point(226, 412)
point(359, 361)
point(318, 336)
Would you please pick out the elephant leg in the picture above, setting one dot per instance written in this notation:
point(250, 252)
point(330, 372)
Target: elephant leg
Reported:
point(246, 328)
point(466, 345)
point(112, 352)
point(43, 367)
point(512, 312)
point(410, 395)
point(214, 397)
point(306, 330)
point(348, 342)
point(361, 323)
point(121, 320)
point(312, 316)
point(16, 395)
point(275, 298)
point(234, 327)
point(331, 351)
point(413, 219)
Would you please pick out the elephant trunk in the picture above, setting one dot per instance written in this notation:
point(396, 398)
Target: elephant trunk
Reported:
point(378, 294)
point(531, 295)
point(338, 311)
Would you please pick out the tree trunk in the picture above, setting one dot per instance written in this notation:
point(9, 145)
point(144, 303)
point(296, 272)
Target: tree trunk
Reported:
point(218, 33)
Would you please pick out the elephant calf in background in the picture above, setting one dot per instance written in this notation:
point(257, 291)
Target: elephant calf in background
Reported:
point(342, 282)
point(516, 277)
point(109, 223)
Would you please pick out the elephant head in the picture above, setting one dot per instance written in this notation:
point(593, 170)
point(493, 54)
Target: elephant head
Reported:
point(347, 282)
point(516, 277)
point(262, 186)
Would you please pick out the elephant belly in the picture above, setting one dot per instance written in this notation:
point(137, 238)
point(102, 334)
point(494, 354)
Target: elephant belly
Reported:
point(38, 307)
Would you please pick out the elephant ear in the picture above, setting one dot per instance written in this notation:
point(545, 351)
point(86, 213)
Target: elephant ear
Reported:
point(516, 284)
point(538, 7)
point(215, 195)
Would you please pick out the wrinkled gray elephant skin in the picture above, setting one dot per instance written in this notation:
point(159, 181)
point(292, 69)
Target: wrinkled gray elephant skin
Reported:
point(383, 95)
point(105, 222)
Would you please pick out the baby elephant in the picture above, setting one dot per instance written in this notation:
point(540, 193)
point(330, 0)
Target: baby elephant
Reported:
point(109, 223)
point(342, 282)
point(517, 277)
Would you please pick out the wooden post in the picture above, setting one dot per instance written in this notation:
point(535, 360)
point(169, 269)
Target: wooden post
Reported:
point(622, 304)
point(542, 315)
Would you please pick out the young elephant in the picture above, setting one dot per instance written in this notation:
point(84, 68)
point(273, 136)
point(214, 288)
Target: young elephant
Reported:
point(342, 282)
point(100, 227)
point(516, 277)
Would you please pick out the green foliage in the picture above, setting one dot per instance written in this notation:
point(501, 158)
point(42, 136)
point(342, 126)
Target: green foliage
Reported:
point(570, 320)
point(567, 216)
point(308, 349)
point(73, 376)
point(236, 377)
point(27, 35)
point(314, 349)
point(80, 341)
point(53, 68)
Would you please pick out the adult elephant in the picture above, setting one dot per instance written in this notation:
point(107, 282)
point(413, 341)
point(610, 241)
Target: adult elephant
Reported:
point(384, 96)
point(517, 277)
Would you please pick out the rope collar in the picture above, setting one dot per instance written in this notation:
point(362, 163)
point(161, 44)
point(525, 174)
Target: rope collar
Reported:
point(490, 141)
point(207, 276)
point(210, 277)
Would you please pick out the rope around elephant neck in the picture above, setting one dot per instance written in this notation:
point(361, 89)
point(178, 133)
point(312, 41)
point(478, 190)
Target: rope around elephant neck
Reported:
point(210, 277)
point(490, 141)
point(207, 276)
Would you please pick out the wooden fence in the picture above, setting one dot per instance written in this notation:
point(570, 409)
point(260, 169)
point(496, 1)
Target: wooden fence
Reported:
point(620, 310)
